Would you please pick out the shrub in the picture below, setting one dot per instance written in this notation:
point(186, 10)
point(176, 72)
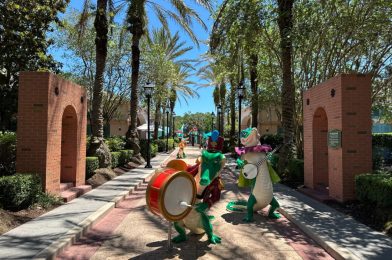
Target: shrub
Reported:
point(19, 191)
point(143, 148)
point(92, 163)
point(296, 170)
point(161, 143)
point(115, 159)
point(47, 200)
point(272, 139)
point(7, 153)
point(375, 189)
point(115, 143)
point(382, 150)
point(125, 155)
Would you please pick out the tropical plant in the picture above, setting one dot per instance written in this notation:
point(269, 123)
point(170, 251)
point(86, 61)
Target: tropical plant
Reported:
point(24, 47)
point(137, 20)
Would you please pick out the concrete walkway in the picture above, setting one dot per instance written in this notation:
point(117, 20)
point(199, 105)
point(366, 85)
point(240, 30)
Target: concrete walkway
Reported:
point(132, 232)
point(44, 236)
point(340, 235)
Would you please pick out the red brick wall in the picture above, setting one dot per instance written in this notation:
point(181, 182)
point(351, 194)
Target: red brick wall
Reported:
point(349, 111)
point(41, 125)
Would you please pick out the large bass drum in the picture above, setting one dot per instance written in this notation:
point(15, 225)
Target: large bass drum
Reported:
point(167, 189)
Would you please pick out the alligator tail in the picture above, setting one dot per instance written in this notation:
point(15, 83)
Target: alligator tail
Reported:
point(238, 206)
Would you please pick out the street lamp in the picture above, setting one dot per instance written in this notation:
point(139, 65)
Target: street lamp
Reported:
point(212, 123)
point(219, 110)
point(148, 90)
point(167, 125)
point(240, 94)
point(173, 116)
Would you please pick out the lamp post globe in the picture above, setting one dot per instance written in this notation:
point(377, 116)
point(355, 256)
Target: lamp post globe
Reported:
point(148, 91)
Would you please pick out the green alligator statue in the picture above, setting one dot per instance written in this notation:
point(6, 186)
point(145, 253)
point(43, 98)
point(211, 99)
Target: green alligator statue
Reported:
point(255, 167)
point(208, 192)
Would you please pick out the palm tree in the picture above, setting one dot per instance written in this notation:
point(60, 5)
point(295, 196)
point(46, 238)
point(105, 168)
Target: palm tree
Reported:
point(285, 23)
point(169, 72)
point(97, 145)
point(136, 18)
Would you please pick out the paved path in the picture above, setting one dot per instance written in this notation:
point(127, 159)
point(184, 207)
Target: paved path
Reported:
point(45, 235)
point(131, 232)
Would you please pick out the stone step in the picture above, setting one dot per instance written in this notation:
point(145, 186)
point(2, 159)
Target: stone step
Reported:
point(65, 186)
point(74, 192)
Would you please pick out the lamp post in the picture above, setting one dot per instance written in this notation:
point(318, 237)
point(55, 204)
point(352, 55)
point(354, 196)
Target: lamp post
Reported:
point(148, 90)
point(219, 110)
point(212, 123)
point(167, 126)
point(240, 94)
point(173, 116)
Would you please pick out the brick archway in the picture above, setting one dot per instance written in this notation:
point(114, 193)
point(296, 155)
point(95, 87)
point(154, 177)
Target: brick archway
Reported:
point(320, 150)
point(52, 119)
point(69, 134)
point(337, 134)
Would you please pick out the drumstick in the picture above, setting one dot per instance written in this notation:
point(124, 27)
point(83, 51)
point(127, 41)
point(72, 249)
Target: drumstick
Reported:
point(185, 204)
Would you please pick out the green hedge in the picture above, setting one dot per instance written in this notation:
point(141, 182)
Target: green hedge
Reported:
point(143, 148)
point(92, 163)
point(115, 143)
point(19, 191)
point(7, 153)
point(161, 143)
point(115, 159)
point(375, 189)
point(125, 155)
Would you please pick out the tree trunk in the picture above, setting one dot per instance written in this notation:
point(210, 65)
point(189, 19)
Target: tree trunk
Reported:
point(288, 99)
point(97, 145)
point(253, 86)
point(232, 112)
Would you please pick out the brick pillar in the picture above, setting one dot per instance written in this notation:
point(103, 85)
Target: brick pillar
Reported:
point(44, 99)
point(346, 100)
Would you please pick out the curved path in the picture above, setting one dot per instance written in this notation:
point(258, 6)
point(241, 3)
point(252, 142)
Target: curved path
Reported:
point(130, 231)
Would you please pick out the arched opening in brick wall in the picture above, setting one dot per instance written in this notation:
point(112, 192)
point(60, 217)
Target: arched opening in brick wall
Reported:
point(320, 150)
point(69, 149)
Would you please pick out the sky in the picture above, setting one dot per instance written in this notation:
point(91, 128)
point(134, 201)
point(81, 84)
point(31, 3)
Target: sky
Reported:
point(205, 102)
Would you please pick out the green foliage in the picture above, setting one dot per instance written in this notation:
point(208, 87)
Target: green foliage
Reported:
point(19, 191)
point(7, 153)
point(374, 189)
point(24, 26)
point(296, 170)
point(143, 148)
point(115, 143)
point(125, 155)
point(161, 144)
point(47, 200)
point(382, 150)
point(272, 139)
point(115, 159)
point(92, 163)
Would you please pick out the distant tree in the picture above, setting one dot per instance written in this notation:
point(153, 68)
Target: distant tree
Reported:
point(23, 47)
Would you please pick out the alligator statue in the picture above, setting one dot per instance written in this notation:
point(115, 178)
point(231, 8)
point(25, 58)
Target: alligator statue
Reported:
point(254, 166)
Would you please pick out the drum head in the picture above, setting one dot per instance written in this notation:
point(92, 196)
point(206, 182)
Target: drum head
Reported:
point(250, 171)
point(178, 190)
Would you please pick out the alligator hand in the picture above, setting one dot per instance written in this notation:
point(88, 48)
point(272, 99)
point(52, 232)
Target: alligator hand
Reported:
point(201, 207)
point(240, 163)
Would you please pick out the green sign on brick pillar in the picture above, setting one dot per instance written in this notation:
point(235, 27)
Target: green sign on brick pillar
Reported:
point(335, 138)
